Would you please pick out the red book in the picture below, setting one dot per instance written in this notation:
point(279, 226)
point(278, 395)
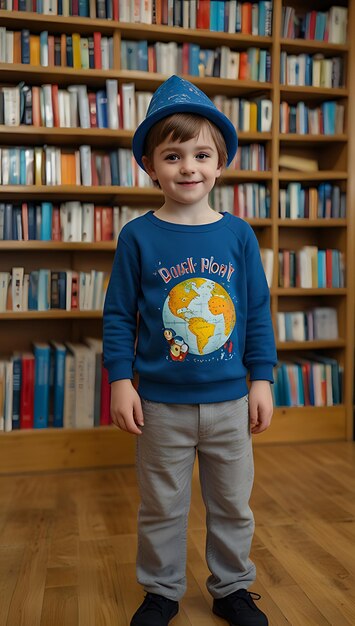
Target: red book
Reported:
point(97, 51)
point(94, 176)
point(27, 390)
point(243, 66)
point(55, 105)
point(106, 223)
point(152, 59)
point(115, 10)
point(185, 57)
point(158, 11)
point(97, 223)
point(246, 18)
point(286, 256)
point(75, 7)
point(236, 201)
point(56, 234)
point(164, 12)
point(15, 5)
point(92, 109)
point(312, 24)
point(203, 14)
point(105, 413)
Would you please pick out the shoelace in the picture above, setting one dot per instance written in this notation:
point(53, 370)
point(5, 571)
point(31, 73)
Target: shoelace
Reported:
point(243, 596)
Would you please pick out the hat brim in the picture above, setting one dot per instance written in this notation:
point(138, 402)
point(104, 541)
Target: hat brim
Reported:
point(211, 113)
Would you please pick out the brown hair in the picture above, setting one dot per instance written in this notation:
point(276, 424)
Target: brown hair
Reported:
point(183, 127)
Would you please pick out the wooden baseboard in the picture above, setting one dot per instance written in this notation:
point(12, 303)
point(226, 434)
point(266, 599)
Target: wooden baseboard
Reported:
point(46, 450)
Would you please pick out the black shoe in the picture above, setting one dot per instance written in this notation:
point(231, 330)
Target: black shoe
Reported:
point(155, 610)
point(239, 609)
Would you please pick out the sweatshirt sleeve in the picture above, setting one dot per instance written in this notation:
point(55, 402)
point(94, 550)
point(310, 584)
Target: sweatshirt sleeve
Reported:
point(120, 313)
point(260, 351)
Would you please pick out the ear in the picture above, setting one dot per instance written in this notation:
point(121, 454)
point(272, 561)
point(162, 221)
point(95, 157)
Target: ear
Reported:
point(219, 171)
point(149, 168)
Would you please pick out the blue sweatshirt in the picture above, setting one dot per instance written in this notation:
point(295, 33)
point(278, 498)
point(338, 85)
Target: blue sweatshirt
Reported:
point(204, 312)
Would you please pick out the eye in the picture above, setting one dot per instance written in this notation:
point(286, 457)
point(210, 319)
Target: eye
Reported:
point(171, 157)
point(202, 156)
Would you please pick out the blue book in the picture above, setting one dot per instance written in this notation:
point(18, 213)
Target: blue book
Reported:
point(8, 224)
point(39, 6)
point(101, 109)
point(22, 166)
point(132, 55)
point(321, 200)
point(14, 166)
point(69, 51)
point(31, 221)
point(262, 18)
point(286, 386)
point(41, 387)
point(33, 291)
point(115, 176)
point(220, 15)
point(335, 268)
point(214, 15)
point(142, 55)
point(194, 59)
point(25, 46)
point(321, 257)
point(59, 350)
point(84, 9)
point(311, 385)
point(16, 391)
point(46, 222)
point(60, 7)
point(62, 290)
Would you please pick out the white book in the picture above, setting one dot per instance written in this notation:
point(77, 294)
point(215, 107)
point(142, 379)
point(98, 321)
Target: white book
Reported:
point(297, 326)
point(88, 221)
point(17, 288)
point(74, 217)
point(44, 61)
point(69, 274)
point(9, 46)
point(5, 165)
point(281, 327)
point(146, 11)
point(84, 364)
point(11, 106)
point(267, 259)
point(61, 108)
point(225, 54)
point(3, 55)
point(305, 268)
point(129, 106)
point(124, 11)
point(26, 280)
point(48, 165)
point(186, 14)
point(8, 396)
point(325, 323)
point(4, 285)
point(50, 7)
point(105, 59)
point(85, 165)
point(233, 67)
point(116, 221)
point(112, 98)
point(338, 22)
point(77, 168)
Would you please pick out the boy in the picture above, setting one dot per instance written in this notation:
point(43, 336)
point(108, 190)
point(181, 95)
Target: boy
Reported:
point(196, 279)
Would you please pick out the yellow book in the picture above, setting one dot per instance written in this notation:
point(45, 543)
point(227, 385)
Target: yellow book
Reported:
point(38, 166)
point(35, 50)
point(76, 51)
point(253, 117)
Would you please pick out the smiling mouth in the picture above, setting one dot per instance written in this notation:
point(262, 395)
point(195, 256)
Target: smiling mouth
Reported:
point(192, 182)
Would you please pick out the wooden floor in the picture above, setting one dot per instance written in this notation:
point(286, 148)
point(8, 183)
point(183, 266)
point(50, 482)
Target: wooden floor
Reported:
point(68, 543)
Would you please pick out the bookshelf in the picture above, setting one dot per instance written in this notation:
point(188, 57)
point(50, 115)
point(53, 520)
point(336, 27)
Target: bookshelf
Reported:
point(53, 449)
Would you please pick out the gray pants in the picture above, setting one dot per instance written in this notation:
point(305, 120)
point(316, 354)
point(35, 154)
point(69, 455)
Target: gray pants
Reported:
point(165, 457)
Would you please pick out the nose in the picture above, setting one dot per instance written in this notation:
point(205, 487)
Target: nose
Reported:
point(187, 166)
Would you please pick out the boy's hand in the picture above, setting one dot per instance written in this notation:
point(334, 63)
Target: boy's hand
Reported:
point(126, 408)
point(260, 406)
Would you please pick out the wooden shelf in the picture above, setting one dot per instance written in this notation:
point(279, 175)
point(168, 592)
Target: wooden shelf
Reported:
point(311, 139)
point(316, 223)
point(300, 46)
point(124, 195)
point(95, 246)
point(47, 315)
point(313, 176)
point(297, 291)
point(310, 345)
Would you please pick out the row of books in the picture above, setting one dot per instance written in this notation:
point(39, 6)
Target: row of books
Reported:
point(308, 380)
point(250, 200)
point(50, 165)
point(316, 324)
point(317, 25)
point(310, 268)
point(251, 157)
point(190, 58)
point(325, 201)
point(47, 50)
point(246, 115)
point(44, 290)
point(300, 118)
point(218, 15)
point(68, 222)
point(311, 71)
point(114, 107)
point(56, 385)
point(215, 15)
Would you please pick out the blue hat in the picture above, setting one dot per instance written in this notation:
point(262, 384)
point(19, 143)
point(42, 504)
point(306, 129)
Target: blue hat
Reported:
point(177, 95)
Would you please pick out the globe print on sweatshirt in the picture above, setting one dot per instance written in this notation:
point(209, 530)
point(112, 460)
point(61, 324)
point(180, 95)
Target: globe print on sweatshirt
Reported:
point(204, 312)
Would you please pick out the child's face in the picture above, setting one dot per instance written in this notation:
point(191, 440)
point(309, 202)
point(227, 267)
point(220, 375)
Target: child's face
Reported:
point(186, 171)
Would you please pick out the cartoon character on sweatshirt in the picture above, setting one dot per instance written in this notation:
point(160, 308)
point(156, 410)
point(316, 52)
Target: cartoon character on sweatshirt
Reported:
point(178, 348)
